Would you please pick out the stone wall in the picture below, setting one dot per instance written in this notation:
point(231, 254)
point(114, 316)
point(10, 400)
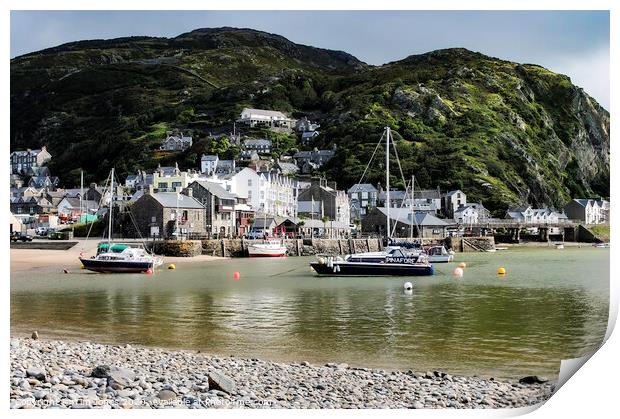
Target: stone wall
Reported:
point(295, 247)
point(182, 248)
point(470, 244)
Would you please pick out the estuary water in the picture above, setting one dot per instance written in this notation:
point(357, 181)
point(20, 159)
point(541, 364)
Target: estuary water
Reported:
point(551, 305)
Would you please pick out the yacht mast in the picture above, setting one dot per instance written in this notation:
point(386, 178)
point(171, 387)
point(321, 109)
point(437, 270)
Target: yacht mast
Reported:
point(81, 193)
point(110, 207)
point(387, 178)
point(412, 208)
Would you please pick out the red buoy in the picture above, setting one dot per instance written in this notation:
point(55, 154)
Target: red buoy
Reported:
point(149, 271)
point(236, 276)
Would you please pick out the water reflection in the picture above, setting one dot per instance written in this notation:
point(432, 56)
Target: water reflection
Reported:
point(523, 324)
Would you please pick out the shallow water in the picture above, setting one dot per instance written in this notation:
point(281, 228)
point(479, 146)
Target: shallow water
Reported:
point(552, 305)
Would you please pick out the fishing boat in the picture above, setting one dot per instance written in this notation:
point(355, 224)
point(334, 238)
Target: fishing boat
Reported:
point(390, 262)
point(272, 248)
point(116, 257)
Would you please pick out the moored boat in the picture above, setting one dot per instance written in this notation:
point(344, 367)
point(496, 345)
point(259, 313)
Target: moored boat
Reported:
point(114, 257)
point(121, 258)
point(272, 248)
point(391, 262)
point(439, 254)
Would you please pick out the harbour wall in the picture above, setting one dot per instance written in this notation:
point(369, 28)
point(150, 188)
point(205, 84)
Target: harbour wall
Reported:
point(304, 247)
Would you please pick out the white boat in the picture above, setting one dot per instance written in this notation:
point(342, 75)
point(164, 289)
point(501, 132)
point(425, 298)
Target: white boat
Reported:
point(559, 246)
point(115, 257)
point(439, 254)
point(272, 248)
point(602, 245)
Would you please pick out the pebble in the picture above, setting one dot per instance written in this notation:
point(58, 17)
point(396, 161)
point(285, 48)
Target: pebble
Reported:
point(86, 375)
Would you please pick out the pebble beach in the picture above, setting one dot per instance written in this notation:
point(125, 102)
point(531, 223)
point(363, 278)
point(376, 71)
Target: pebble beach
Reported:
point(60, 374)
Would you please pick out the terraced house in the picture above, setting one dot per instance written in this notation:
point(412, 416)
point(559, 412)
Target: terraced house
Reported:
point(23, 161)
point(590, 211)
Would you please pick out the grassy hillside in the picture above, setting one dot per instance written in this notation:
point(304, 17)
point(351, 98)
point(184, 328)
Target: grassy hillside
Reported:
point(506, 133)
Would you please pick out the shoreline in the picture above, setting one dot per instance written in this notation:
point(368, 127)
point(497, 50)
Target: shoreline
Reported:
point(54, 373)
point(28, 259)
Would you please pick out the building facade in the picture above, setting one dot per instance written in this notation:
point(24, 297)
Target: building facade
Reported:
point(23, 161)
point(169, 215)
point(323, 199)
point(219, 204)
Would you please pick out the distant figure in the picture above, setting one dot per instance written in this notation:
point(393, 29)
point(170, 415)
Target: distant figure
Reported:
point(65, 270)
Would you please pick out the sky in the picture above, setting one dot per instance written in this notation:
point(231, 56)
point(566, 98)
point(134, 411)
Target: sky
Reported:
point(575, 43)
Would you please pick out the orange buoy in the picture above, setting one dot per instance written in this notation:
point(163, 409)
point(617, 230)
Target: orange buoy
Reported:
point(462, 265)
point(236, 276)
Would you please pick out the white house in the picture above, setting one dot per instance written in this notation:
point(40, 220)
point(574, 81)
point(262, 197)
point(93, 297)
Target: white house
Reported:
point(590, 211)
point(529, 215)
point(208, 164)
point(265, 191)
point(266, 118)
point(471, 213)
point(452, 200)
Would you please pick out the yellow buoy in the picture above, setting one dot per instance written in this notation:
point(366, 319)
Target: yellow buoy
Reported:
point(462, 265)
point(81, 266)
point(172, 266)
point(501, 271)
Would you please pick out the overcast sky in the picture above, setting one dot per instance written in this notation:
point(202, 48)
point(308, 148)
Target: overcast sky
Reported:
point(575, 43)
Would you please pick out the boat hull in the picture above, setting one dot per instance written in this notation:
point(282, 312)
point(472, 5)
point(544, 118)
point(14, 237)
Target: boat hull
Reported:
point(266, 251)
point(372, 269)
point(440, 259)
point(107, 266)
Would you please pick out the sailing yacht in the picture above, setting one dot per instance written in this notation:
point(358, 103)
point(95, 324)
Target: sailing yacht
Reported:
point(389, 262)
point(115, 257)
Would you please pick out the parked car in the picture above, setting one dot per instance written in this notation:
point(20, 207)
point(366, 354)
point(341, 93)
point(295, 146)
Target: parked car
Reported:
point(255, 234)
point(17, 236)
point(41, 231)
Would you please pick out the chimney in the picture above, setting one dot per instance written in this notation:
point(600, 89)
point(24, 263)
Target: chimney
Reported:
point(150, 190)
point(93, 185)
point(332, 185)
point(189, 192)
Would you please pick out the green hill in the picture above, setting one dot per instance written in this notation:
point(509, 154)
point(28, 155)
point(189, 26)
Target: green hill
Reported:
point(506, 133)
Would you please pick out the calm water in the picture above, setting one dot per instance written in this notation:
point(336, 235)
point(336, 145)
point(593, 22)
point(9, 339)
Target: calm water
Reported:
point(552, 304)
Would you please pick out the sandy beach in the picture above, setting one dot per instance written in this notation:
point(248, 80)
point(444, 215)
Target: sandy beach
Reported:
point(27, 259)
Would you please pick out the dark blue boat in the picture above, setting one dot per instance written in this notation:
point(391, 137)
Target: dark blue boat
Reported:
point(391, 262)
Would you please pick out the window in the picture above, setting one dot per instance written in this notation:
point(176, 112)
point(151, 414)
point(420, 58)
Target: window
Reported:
point(177, 185)
point(162, 185)
point(364, 195)
point(249, 183)
point(184, 218)
point(249, 194)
